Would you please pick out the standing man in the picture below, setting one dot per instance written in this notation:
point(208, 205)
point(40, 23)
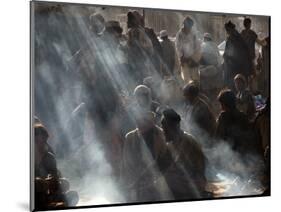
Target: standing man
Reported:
point(251, 38)
point(189, 51)
point(140, 48)
point(244, 98)
point(198, 116)
point(168, 54)
point(265, 68)
point(233, 126)
point(236, 56)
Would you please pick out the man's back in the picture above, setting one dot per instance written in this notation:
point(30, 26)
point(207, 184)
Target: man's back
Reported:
point(191, 153)
point(249, 36)
point(236, 53)
point(137, 155)
point(234, 128)
point(202, 116)
point(168, 53)
point(186, 174)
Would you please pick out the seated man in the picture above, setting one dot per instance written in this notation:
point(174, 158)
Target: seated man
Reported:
point(245, 100)
point(233, 126)
point(142, 150)
point(144, 102)
point(51, 190)
point(198, 116)
point(186, 173)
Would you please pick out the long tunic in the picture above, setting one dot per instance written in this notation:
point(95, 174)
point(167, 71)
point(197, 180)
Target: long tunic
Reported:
point(186, 174)
point(199, 118)
point(168, 55)
point(188, 47)
point(237, 59)
point(140, 165)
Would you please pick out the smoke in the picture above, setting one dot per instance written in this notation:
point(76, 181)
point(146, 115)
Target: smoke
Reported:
point(63, 97)
point(229, 172)
point(59, 95)
point(242, 172)
point(63, 102)
point(92, 176)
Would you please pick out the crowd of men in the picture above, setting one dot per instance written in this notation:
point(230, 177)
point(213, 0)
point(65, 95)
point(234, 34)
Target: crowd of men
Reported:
point(155, 105)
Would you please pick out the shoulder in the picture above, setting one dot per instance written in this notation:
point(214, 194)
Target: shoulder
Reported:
point(159, 129)
point(223, 116)
point(202, 101)
point(191, 140)
point(49, 156)
point(131, 134)
point(244, 33)
point(193, 33)
point(131, 139)
point(188, 137)
point(203, 105)
point(253, 33)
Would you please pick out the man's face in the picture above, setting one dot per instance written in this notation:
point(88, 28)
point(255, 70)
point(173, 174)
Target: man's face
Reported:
point(143, 100)
point(239, 85)
point(96, 26)
point(247, 25)
point(187, 28)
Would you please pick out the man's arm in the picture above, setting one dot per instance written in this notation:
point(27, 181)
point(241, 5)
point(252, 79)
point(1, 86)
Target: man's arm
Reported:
point(261, 42)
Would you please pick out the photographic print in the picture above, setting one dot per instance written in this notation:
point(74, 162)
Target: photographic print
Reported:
point(140, 105)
